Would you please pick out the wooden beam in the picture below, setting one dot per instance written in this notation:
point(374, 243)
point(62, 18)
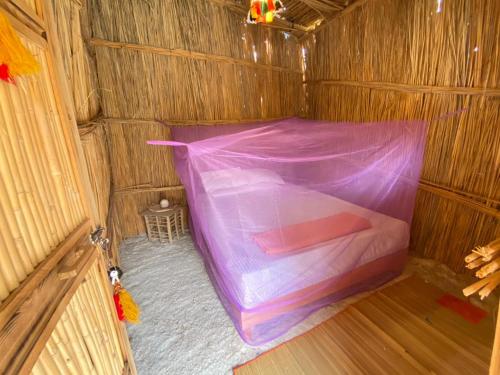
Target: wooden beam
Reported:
point(187, 122)
point(29, 314)
point(309, 5)
point(147, 189)
point(350, 8)
point(402, 87)
point(36, 343)
point(461, 199)
point(12, 303)
point(188, 54)
point(23, 24)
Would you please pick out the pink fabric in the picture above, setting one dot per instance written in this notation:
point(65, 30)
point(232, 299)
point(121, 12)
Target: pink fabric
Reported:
point(244, 183)
point(302, 235)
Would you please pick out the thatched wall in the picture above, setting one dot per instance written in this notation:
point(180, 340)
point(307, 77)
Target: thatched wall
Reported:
point(73, 28)
point(200, 63)
point(400, 59)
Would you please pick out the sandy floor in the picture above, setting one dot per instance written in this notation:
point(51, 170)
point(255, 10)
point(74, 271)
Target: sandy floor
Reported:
point(185, 329)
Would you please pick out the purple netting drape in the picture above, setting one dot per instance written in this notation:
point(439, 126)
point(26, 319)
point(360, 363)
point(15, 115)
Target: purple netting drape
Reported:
point(290, 216)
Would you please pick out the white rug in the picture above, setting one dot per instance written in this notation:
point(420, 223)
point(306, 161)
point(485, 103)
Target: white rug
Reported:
point(185, 330)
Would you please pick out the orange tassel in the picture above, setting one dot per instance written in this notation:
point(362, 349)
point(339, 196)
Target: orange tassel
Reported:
point(129, 309)
point(15, 59)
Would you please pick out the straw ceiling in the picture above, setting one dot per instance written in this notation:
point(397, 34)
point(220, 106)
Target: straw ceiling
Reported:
point(303, 15)
point(310, 12)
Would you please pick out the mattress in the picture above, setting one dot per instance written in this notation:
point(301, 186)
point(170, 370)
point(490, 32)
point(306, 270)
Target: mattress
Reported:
point(251, 275)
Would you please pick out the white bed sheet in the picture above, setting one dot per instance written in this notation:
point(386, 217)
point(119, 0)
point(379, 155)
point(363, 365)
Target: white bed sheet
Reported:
point(256, 277)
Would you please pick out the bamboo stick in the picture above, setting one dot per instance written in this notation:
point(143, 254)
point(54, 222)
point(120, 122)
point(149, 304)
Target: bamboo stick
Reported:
point(14, 251)
point(98, 325)
point(55, 169)
point(46, 363)
point(64, 153)
point(101, 292)
point(410, 88)
point(12, 183)
point(187, 54)
point(472, 256)
point(476, 263)
point(64, 347)
point(53, 347)
point(187, 122)
point(25, 166)
point(10, 273)
point(471, 289)
point(88, 335)
point(72, 330)
point(493, 282)
point(42, 173)
point(488, 269)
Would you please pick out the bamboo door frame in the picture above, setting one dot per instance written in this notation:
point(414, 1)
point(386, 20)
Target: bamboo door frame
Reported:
point(30, 313)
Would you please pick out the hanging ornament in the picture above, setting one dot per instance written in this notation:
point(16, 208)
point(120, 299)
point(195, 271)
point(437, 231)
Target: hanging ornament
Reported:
point(15, 59)
point(126, 308)
point(264, 11)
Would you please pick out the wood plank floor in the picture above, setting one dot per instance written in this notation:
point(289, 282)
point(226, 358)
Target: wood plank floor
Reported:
point(398, 330)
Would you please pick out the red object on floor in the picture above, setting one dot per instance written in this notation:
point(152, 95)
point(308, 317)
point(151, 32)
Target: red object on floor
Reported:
point(463, 308)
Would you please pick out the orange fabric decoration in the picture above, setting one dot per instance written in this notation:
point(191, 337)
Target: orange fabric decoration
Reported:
point(15, 59)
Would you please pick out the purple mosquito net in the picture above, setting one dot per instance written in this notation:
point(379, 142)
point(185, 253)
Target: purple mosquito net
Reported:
point(293, 215)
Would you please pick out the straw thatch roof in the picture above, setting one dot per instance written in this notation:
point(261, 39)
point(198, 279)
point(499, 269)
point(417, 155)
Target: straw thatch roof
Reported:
point(311, 12)
point(299, 15)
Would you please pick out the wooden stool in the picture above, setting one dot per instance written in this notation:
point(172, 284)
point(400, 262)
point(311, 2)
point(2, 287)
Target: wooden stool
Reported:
point(164, 225)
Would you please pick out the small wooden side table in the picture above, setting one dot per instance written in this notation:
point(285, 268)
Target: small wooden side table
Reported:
point(165, 225)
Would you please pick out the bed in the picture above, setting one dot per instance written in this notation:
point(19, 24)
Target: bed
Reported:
point(292, 215)
point(317, 274)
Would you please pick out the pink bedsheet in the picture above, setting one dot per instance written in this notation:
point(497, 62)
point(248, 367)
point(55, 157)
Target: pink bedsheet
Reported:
point(302, 235)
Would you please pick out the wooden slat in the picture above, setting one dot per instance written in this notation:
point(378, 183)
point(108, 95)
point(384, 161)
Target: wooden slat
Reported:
point(35, 343)
point(37, 308)
point(137, 190)
point(350, 8)
point(187, 122)
point(25, 21)
point(15, 300)
point(187, 54)
point(424, 89)
point(388, 332)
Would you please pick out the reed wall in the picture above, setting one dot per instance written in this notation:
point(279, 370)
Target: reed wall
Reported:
point(73, 28)
point(420, 59)
point(200, 64)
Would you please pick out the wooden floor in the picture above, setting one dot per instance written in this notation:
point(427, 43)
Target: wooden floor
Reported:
point(398, 330)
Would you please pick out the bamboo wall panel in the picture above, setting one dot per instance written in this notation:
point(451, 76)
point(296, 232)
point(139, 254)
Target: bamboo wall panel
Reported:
point(410, 43)
point(149, 83)
point(73, 29)
point(84, 340)
point(95, 150)
point(40, 203)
